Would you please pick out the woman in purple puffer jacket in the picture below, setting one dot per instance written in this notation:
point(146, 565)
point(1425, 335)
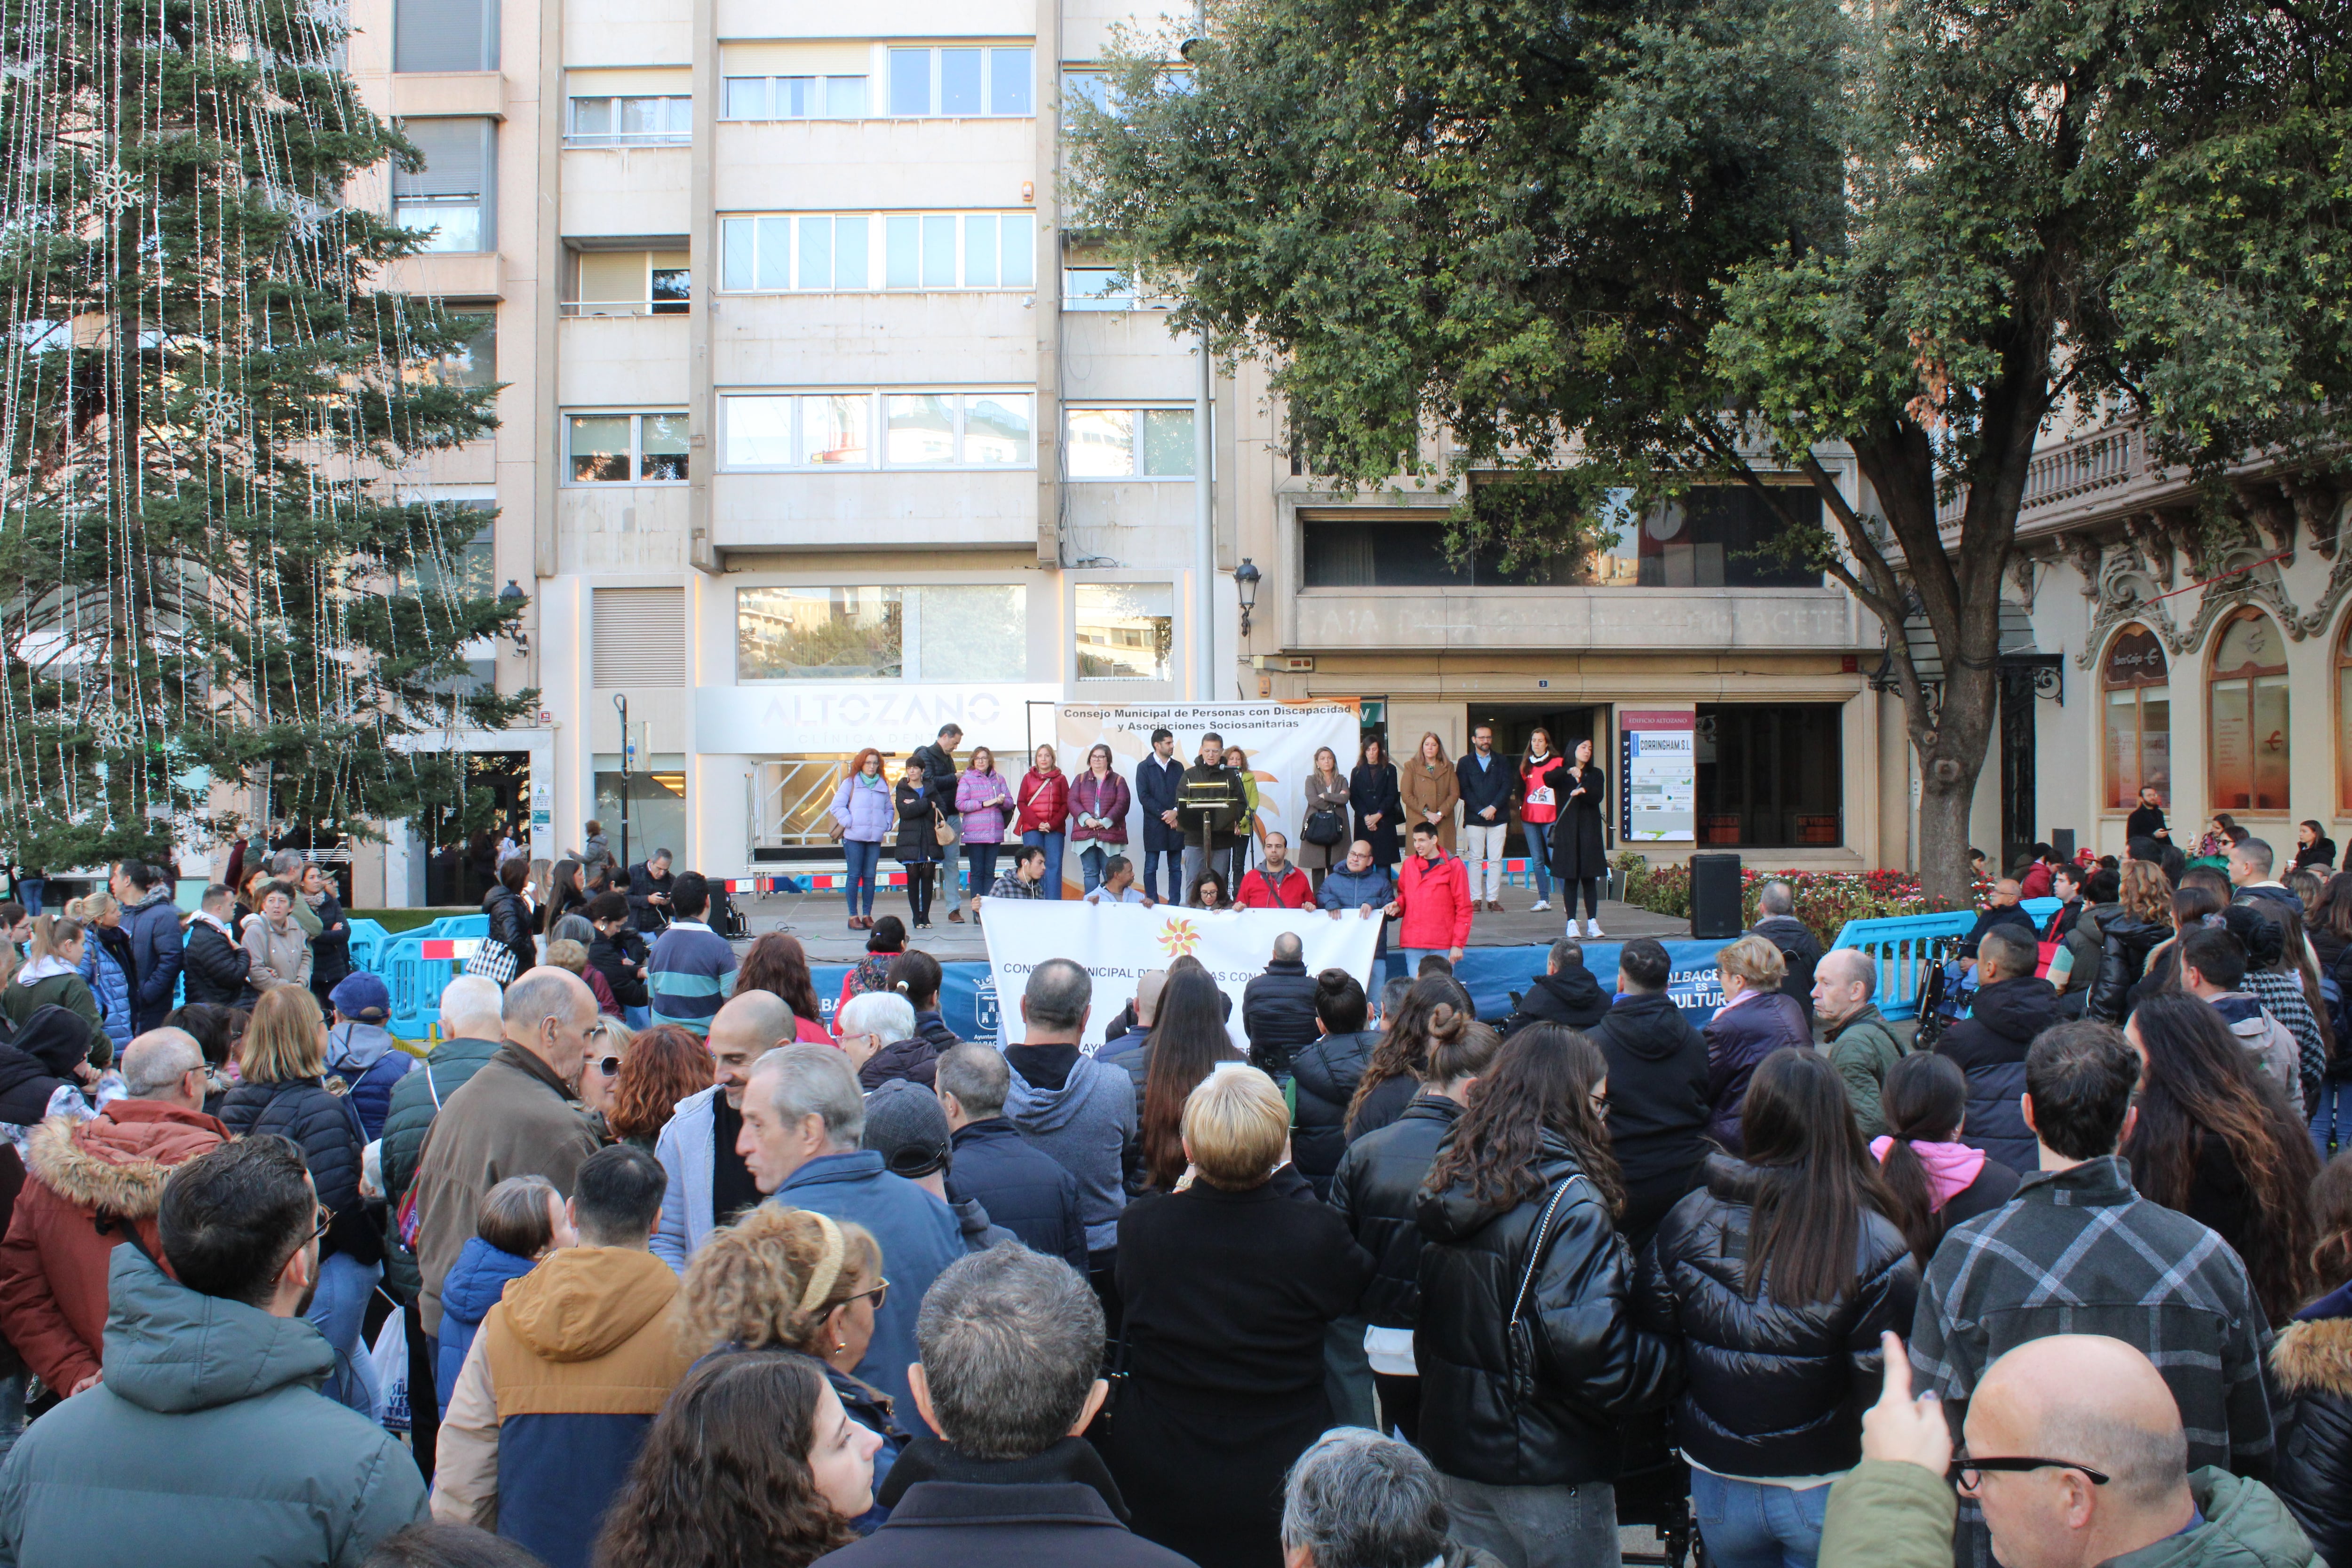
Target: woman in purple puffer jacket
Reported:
point(985, 801)
point(1098, 802)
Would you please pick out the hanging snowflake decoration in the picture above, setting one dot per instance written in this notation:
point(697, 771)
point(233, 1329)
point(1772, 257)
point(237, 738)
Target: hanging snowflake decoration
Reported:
point(114, 187)
point(309, 216)
point(113, 729)
point(217, 410)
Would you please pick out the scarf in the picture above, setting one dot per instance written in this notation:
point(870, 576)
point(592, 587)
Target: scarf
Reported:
point(1950, 1166)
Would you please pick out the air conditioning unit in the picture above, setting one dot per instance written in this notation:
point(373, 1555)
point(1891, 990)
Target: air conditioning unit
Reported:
point(1284, 663)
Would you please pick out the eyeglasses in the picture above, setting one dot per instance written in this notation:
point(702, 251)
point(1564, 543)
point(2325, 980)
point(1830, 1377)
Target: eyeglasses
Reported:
point(1599, 1104)
point(325, 1217)
point(1970, 1471)
point(880, 1292)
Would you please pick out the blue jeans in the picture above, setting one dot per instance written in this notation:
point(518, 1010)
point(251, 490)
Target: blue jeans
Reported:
point(1052, 843)
point(983, 859)
point(1090, 864)
point(1539, 856)
point(1750, 1525)
point(1152, 881)
point(28, 892)
point(338, 1310)
point(863, 858)
point(2331, 1119)
point(1565, 1526)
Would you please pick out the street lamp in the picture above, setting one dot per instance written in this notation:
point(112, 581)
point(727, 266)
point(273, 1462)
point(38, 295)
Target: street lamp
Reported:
point(1245, 577)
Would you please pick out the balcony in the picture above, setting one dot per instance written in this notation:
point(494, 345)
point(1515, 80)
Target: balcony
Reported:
point(2088, 475)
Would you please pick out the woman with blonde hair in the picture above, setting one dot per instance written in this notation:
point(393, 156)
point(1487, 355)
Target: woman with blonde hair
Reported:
point(793, 1279)
point(1754, 1021)
point(1042, 813)
point(284, 1090)
point(51, 978)
point(106, 963)
point(2141, 923)
point(1228, 1284)
point(1323, 820)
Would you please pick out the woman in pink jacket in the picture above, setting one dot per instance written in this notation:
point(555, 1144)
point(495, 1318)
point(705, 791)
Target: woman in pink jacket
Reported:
point(985, 801)
point(1098, 804)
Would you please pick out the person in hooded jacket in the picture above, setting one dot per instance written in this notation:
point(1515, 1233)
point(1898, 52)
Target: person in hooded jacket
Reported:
point(1377, 1190)
point(1526, 1346)
point(362, 1053)
point(1078, 1110)
point(210, 1401)
point(282, 1062)
point(1935, 1181)
point(50, 976)
point(1324, 1077)
point(1564, 994)
point(1435, 1007)
point(1658, 1103)
point(1990, 1044)
point(152, 921)
point(2311, 1362)
point(1755, 1019)
point(106, 963)
point(522, 1220)
point(1778, 1276)
point(49, 1051)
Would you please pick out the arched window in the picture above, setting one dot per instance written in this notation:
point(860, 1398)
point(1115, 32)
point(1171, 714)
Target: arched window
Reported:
point(2135, 688)
point(2249, 729)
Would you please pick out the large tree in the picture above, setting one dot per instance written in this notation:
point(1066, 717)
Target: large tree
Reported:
point(216, 570)
point(1629, 248)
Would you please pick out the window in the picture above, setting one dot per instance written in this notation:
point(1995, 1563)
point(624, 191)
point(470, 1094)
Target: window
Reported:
point(2249, 715)
point(965, 632)
point(837, 430)
point(448, 198)
point(794, 98)
point(475, 363)
point(2136, 692)
point(1770, 774)
point(1125, 630)
point(835, 251)
point(444, 34)
point(959, 82)
point(1097, 87)
point(622, 122)
point(465, 566)
point(1709, 537)
point(630, 283)
point(1347, 551)
point(655, 811)
point(1129, 444)
point(1098, 289)
point(626, 449)
point(637, 638)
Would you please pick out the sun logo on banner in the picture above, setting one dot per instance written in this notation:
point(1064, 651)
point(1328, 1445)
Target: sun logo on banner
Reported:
point(1178, 938)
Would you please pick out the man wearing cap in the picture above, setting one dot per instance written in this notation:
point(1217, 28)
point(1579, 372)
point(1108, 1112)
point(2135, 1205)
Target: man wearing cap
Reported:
point(361, 1049)
point(906, 1124)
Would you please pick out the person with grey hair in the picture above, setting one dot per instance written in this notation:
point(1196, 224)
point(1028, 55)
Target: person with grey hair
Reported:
point(803, 1120)
point(878, 1031)
point(1078, 1109)
point(53, 1268)
point(1860, 1047)
point(1023, 1189)
point(1800, 949)
point(1278, 1008)
point(1357, 1500)
point(1012, 1347)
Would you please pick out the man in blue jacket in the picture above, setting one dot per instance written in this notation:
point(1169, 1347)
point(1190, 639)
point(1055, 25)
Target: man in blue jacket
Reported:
point(152, 920)
point(1487, 782)
point(803, 1119)
point(1361, 887)
point(1024, 1189)
point(1156, 780)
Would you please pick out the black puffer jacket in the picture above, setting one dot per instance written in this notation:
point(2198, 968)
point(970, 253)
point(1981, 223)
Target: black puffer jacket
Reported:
point(2313, 1362)
point(1543, 1417)
point(1278, 1015)
point(1773, 1388)
point(1572, 997)
point(2123, 959)
point(618, 959)
point(38, 1057)
point(1324, 1077)
point(215, 966)
point(326, 1127)
point(509, 925)
point(1658, 1105)
point(1800, 949)
point(1990, 1047)
point(1376, 1189)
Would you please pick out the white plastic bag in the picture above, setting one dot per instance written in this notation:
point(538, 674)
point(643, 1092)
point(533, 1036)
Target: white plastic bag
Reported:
point(390, 1354)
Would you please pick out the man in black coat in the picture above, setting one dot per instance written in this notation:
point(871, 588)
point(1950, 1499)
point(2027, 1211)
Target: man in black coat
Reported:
point(1157, 781)
point(1800, 949)
point(2146, 820)
point(1278, 1008)
point(939, 776)
point(1988, 1045)
point(1658, 1103)
point(214, 966)
point(1045, 1499)
point(1566, 993)
point(650, 885)
point(1324, 1076)
point(618, 953)
point(1024, 1189)
point(2002, 907)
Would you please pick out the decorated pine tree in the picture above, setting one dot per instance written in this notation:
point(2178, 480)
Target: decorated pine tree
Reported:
point(222, 578)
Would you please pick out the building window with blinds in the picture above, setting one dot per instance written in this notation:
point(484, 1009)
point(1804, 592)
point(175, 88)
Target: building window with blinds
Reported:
point(444, 34)
point(449, 198)
point(2249, 715)
point(637, 638)
point(2135, 698)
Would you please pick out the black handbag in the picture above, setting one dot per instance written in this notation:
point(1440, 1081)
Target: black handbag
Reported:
point(1323, 827)
point(1520, 1337)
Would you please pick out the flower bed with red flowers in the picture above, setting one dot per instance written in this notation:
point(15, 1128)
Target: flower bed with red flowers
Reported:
point(1825, 899)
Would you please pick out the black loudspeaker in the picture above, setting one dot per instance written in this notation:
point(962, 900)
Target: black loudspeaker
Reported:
point(2062, 839)
point(1715, 898)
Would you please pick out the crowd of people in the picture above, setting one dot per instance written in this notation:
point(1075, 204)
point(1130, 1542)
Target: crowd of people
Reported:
point(1351, 1280)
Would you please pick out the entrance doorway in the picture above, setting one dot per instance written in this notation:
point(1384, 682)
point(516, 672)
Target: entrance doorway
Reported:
point(1515, 728)
point(462, 866)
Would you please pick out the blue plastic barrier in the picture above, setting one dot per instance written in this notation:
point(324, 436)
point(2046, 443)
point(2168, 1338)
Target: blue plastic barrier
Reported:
point(368, 939)
point(1900, 946)
point(415, 980)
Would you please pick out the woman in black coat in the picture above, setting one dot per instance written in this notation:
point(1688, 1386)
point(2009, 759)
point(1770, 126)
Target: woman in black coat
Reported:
point(1372, 792)
point(1520, 1212)
point(1778, 1276)
point(330, 950)
point(509, 916)
point(1229, 1284)
point(282, 1060)
point(1579, 850)
point(1935, 1180)
point(917, 840)
point(2312, 1360)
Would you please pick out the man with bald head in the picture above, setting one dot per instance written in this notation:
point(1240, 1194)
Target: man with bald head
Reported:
point(2076, 1456)
point(515, 1116)
point(54, 1260)
point(1860, 1045)
point(709, 1182)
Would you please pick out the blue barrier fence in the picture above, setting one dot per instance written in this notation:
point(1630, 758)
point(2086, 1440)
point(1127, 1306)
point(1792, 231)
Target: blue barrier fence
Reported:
point(1901, 947)
point(417, 964)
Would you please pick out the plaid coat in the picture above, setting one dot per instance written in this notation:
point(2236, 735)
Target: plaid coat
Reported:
point(2079, 1252)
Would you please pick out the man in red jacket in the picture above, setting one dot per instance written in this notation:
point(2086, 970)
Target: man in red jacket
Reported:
point(1276, 885)
point(54, 1260)
point(1432, 901)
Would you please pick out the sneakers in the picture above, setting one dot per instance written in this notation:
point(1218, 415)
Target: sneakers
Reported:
point(1592, 927)
point(1539, 906)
